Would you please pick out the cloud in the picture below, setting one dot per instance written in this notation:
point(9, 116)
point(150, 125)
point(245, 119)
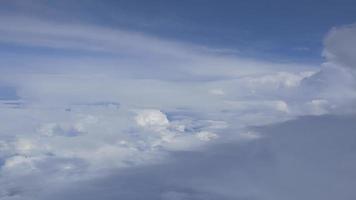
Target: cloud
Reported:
point(122, 51)
point(298, 159)
point(53, 129)
point(175, 135)
point(217, 92)
point(116, 100)
point(340, 46)
point(206, 136)
point(152, 118)
point(335, 83)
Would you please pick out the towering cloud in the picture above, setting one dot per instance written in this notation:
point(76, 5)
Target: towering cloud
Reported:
point(340, 45)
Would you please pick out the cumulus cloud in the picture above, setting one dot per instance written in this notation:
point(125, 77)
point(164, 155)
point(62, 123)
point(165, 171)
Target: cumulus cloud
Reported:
point(333, 88)
point(152, 118)
point(340, 46)
point(175, 135)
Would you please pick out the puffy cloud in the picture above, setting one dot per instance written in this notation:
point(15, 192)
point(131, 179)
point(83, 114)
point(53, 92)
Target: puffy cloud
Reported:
point(281, 106)
point(335, 83)
point(152, 118)
point(175, 135)
point(340, 46)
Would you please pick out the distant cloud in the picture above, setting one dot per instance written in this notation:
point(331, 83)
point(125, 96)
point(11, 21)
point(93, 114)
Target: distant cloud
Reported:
point(305, 157)
point(152, 118)
point(340, 46)
point(335, 83)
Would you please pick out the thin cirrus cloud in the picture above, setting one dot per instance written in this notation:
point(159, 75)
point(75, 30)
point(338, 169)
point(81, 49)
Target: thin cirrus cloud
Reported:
point(168, 97)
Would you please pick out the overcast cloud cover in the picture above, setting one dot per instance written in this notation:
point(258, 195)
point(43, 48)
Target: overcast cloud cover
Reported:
point(92, 108)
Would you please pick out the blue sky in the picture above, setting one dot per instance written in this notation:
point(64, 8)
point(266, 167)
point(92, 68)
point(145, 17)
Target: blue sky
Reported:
point(278, 30)
point(177, 100)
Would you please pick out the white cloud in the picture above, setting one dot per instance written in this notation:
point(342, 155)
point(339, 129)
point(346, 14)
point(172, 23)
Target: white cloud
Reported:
point(157, 111)
point(335, 83)
point(206, 136)
point(173, 134)
point(278, 80)
point(250, 135)
point(152, 118)
point(319, 106)
point(21, 164)
point(282, 106)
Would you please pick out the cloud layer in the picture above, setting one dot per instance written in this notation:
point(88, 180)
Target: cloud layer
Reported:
point(128, 103)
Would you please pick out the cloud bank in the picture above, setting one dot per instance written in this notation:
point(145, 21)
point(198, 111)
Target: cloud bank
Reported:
point(152, 110)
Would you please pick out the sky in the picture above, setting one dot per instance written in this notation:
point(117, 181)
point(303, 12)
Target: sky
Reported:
point(177, 100)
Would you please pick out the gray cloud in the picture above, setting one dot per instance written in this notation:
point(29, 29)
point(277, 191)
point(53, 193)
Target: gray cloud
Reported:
point(307, 158)
point(340, 46)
